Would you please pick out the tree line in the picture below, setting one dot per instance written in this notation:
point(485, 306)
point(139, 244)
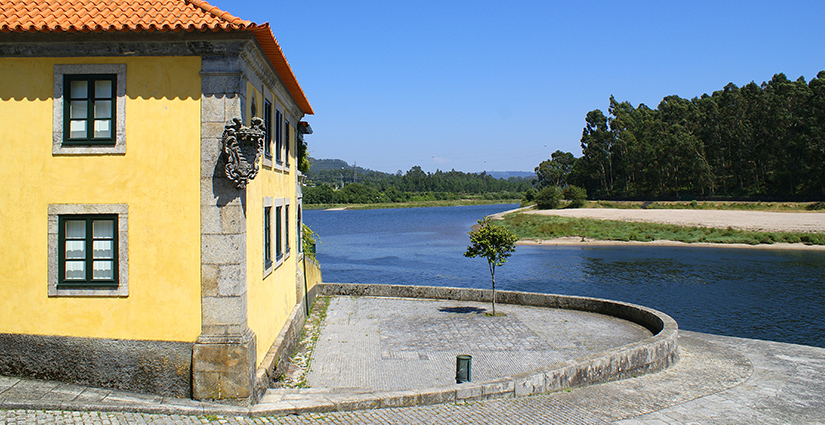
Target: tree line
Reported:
point(763, 140)
point(335, 183)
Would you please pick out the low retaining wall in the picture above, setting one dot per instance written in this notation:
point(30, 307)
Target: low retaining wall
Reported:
point(157, 367)
point(275, 361)
point(649, 355)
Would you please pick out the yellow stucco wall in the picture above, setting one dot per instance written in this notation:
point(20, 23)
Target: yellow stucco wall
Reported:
point(158, 178)
point(313, 273)
point(270, 299)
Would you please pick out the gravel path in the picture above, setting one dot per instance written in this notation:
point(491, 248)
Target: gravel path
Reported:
point(813, 222)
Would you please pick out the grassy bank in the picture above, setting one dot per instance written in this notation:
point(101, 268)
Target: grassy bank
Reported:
point(413, 204)
point(529, 226)
point(710, 205)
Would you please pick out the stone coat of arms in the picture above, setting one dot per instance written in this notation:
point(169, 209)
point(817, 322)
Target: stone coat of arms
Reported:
point(242, 146)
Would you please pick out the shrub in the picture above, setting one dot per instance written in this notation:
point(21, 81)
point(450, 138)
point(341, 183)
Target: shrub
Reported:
point(816, 206)
point(576, 195)
point(548, 198)
point(395, 195)
point(528, 197)
point(321, 194)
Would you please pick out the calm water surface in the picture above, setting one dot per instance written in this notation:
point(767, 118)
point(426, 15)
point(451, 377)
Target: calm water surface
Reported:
point(765, 294)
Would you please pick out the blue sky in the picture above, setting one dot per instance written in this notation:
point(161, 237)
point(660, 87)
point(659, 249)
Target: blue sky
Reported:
point(499, 85)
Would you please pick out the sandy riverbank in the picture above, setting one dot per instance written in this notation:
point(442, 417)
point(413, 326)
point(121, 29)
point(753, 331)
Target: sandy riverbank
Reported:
point(577, 241)
point(755, 221)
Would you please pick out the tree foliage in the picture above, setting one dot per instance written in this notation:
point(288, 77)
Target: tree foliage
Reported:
point(548, 198)
point(576, 195)
point(334, 181)
point(308, 240)
point(763, 140)
point(493, 242)
point(554, 172)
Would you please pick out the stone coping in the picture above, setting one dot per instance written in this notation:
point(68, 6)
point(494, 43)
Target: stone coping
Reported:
point(648, 355)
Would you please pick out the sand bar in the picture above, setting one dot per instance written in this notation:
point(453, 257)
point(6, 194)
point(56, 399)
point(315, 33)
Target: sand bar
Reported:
point(754, 221)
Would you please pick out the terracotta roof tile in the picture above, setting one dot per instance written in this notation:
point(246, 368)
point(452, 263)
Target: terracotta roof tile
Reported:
point(142, 15)
point(115, 15)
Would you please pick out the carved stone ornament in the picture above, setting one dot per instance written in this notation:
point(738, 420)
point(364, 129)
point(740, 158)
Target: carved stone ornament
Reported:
point(242, 146)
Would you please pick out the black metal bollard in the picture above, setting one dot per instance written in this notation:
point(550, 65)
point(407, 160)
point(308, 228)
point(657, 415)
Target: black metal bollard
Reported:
point(463, 368)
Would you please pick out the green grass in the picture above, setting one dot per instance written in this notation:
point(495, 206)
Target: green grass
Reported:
point(306, 345)
point(530, 226)
point(708, 205)
point(413, 204)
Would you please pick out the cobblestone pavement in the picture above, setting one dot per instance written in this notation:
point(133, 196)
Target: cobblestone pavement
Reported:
point(717, 380)
point(362, 346)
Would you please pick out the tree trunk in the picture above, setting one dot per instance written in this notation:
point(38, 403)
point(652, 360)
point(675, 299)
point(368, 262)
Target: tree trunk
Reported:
point(493, 276)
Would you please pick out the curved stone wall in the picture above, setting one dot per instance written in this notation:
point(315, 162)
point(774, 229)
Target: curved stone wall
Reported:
point(648, 355)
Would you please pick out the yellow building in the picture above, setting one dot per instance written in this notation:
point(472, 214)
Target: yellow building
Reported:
point(150, 203)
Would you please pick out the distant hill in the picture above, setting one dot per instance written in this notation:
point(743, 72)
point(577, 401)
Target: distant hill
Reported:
point(327, 164)
point(507, 174)
point(318, 165)
point(331, 181)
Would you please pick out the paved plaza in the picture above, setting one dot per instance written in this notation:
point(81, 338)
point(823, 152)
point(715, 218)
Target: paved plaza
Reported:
point(718, 379)
point(386, 344)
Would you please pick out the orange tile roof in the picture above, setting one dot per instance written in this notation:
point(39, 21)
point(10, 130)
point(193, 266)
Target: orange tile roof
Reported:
point(142, 15)
point(114, 15)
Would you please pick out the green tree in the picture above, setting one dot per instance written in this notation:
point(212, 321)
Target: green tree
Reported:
point(303, 156)
point(597, 147)
point(493, 242)
point(576, 195)
point(554, 172)
point(321, 194)
point(548, 198)
point(356, 193)
point(308, 241)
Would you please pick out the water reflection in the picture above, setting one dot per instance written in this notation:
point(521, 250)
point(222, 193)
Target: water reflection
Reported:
point(765, 294)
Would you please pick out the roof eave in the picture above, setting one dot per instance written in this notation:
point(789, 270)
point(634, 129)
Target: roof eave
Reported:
point(273, 52)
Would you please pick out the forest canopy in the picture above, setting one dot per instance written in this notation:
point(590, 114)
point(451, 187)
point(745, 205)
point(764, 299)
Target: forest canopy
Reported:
point(763, 140)
point(336, 182)
point(755, 141)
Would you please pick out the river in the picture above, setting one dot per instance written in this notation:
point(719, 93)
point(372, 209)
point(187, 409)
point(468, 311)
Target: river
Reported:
point(776, 295)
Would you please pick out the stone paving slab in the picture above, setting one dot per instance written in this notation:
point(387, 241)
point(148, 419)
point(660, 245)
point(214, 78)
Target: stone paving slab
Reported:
point(391, 344)
point(718, 380)
point(786, 386)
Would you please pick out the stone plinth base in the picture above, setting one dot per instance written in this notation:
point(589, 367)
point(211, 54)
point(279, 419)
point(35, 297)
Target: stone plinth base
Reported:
point(223, 368)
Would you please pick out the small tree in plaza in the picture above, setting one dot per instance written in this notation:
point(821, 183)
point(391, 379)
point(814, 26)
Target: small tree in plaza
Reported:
point(493, 242)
